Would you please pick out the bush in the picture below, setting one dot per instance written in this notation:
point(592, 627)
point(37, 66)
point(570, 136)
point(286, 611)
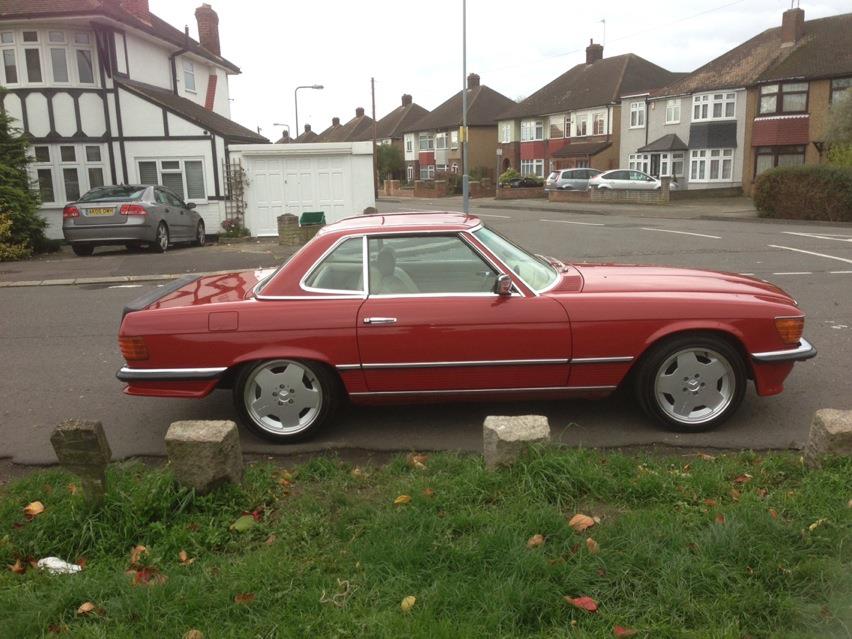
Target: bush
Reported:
point(508, 174)
point(816, 192)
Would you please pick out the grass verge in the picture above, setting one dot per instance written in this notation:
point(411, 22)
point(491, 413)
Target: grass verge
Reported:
point(733, 546)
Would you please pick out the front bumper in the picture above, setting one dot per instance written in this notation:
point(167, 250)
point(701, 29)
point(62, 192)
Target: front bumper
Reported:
point(799, 354)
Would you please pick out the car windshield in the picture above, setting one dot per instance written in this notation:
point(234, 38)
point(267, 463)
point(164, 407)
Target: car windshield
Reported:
point(534, 271)
point(114, 194)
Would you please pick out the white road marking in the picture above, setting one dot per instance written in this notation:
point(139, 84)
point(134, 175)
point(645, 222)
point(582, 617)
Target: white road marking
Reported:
point(837, 237)
point(794, 273)
point(505, 217)
point(830, 257)
point(840, 272)
point(714, 237)
point(570, 222)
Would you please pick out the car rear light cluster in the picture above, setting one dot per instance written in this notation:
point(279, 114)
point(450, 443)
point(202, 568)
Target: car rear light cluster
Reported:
point(790, 329)
point(132, 209)
point(133, 348)
point(70, 211)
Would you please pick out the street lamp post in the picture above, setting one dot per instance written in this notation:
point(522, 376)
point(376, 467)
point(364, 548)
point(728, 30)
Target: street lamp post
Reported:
point(465, 176)
point(296, 99)
point(286, 126)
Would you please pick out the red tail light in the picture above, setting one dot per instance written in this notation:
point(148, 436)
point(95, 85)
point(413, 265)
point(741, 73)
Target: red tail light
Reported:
point(70, 211)
point(132, 209)
point(133, 348)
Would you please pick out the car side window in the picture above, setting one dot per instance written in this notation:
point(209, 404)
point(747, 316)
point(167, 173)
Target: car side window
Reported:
point(341, 271)
point(160, 197)
point(618, 175)
point(427, 264)
point(174, 200)
point(635, 176)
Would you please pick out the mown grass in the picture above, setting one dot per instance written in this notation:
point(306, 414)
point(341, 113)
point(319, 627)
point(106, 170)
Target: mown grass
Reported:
point(343, 556)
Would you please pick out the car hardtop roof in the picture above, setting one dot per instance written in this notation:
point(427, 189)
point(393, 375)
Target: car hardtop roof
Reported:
point(405, 221)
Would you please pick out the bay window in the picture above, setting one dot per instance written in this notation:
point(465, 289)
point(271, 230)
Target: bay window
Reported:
point(68, 57)
point(768, 157)
point(637, 115)
point(711, 165)
point(785, 97)
point(639, 162)
point(532, 167)
point(557, 126)
point(714, 106)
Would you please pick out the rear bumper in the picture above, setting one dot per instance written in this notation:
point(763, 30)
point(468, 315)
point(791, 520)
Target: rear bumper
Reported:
point(109, 233)
point(799, 354)
point(130, 375)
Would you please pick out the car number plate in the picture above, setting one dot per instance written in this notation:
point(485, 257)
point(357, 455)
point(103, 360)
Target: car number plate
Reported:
point(99, 212)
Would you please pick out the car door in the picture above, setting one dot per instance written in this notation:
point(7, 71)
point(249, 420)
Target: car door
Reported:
point(162, 207)
point(181, 218)
point(641, 181)
point(618, 179)
point(432, 323)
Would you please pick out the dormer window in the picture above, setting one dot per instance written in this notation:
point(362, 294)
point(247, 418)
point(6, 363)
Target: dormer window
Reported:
point(189, 75)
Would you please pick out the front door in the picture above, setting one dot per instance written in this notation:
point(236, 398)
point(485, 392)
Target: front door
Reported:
point(431, 322)
point(655, 164)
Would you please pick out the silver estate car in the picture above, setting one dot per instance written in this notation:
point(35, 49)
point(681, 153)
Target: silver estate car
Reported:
point(569, 179)
point(627, 179)
point(133, 215)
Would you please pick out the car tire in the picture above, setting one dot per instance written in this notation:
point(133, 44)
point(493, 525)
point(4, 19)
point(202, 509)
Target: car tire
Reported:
point(133, 247)
point(691, 383)
point(82, 250)
point(161, 239)
point(263, 390)
point(200, 234)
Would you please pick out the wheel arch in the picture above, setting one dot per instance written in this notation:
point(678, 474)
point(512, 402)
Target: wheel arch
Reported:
point(229, 377)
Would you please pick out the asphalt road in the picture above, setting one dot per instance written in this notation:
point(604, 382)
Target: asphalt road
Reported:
point(58, 352)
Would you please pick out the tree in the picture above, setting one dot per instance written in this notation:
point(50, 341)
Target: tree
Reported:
point(21, 227)
point(391, 162)
point(838, 132)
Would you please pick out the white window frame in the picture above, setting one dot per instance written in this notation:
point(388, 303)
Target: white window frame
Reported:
point(9, 46)
point(427, 172)
point(673, 111)
point(701, 163)
point(532, 130)
point(441, 141)
point(426, 140)
point(704, 104)
point(69, 41)
point(581, 125)
point(182, 170)
point(454, 140)
point(56, 166)
point(599, 116)
point(532, 167)
point(409, 173)
point(557, 121)
point(189, 76)
point(639, 162)
point(637, 115)
point(668, 161)
point(506, 132)
point(409, 144)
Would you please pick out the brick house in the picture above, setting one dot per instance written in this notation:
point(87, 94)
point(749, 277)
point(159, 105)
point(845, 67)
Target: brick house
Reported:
point(389, 129)
point(358, 129)
point(574, 121)
point(307, 135)
point(432, 143)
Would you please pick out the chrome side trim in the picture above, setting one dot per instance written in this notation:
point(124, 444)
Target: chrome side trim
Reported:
point(485, 390)
point(310, 297)
point(602, 360)
point(802, 352)
point(126, 374)
point(348, 367)
point(494, 362)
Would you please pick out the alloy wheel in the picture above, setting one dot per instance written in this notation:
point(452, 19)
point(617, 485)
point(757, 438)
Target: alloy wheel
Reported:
point(283, 397)
point(694, 385)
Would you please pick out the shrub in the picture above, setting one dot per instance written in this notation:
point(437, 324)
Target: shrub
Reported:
point(233, 227)
point(816, 192)
point(10, 250)
point(508, 174)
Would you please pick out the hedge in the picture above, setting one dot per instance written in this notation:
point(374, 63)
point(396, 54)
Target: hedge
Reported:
point(815, 192)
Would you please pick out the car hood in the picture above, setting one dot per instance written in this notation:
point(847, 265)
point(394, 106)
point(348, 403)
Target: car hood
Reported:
point(212, 289)
point(620, 278)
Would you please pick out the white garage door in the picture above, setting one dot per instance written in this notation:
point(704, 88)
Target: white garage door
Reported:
point(278, 185)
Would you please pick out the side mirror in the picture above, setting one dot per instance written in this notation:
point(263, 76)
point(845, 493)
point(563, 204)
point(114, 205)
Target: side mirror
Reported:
point(190, 205)
point(503, 285)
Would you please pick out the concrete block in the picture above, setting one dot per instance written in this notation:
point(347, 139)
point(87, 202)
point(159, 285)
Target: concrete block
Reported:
point(205, 454)
point(505, 437)
point(82, 448)
point(831, 434)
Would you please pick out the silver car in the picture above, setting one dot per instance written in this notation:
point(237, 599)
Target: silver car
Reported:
point(570, 179)
point(133, 215)
point(626, 179)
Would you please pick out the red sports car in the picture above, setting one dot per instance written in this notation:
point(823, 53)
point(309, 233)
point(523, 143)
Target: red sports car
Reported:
point(436, 306)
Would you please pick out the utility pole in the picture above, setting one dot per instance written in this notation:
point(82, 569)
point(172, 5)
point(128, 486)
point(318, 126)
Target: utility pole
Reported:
point(465, 176)
point(375, 148)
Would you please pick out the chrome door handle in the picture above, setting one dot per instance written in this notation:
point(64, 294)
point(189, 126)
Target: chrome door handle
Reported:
point(380, 320)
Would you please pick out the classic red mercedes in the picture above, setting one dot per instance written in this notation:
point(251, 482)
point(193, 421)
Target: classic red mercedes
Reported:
point(407, 307)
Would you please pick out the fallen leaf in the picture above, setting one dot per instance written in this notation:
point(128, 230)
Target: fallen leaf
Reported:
point(18, 568)
point(184, 558)
point(149, 577)
point(87, 608)
point(271, 539)
point(57, 629)
point(428, 492)
point(621, 631)
point(849, 504)
point(773, 513)
point(401, 500)
point(593, 546)
point(357, 473)
point(710, 502)
point(819, 522)
point(601, 572)
point(735, 494)
point(82, 562)
point(720, 518)
point(580, 522)
point(586, 603)
point(244, 523)
point(244, 598)
point(72, 488)
point(418, 461)
point(535, 541)
point(705, 457)
point(193, 634)
point(408, 603)
point(742, 479)
point(284, 482)
point(286, 474)
point(33, 509)
point(749, 570)
point(762, 492)
point(136, 554)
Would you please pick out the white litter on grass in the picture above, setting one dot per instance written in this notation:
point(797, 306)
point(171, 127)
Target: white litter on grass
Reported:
point(57, 566)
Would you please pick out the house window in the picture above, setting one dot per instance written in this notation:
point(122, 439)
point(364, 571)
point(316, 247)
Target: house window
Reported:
point(711, 165)
point(768, 157)
point(714, 106)
point(32, 61)
point(409, 173)
point(787, 97)
point(409, 144)
point(427, 142)
point(454, 139)
point(673, 111)
point(532, 130)
point(59, 65)
point(183, 177)
point(427, 172)
point(637, 115)
point(94, 168)
point(581, 125)
point(85, 69)
point(532, 167)
point(44, 174)
point(639, 162)
point(64, 172)
point(10, 69)
point(599, 124)
point(840, 88)
point(557, 126)
point(189, 75)
point(505, 132)
point(441, 141)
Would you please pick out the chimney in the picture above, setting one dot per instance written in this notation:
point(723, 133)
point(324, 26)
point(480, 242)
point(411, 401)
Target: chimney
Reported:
point(335, 121)
point(472, 80)
point(792, 26)
point(139, 8)
point(406, 99)
point(307, 128)
point(359, 112)
point(208, 28)
point(594, 52)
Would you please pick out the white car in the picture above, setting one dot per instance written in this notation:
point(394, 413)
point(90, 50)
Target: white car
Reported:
point(627, 179)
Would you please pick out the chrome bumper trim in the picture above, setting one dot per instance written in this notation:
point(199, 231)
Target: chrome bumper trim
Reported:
point(804, 351)
point(602, 360)
point(126, 374)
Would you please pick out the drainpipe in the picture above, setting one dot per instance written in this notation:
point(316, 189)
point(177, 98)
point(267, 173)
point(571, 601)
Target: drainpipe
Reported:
point(172, 57)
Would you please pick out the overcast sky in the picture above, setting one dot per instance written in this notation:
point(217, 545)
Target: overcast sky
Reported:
point(415, 47)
